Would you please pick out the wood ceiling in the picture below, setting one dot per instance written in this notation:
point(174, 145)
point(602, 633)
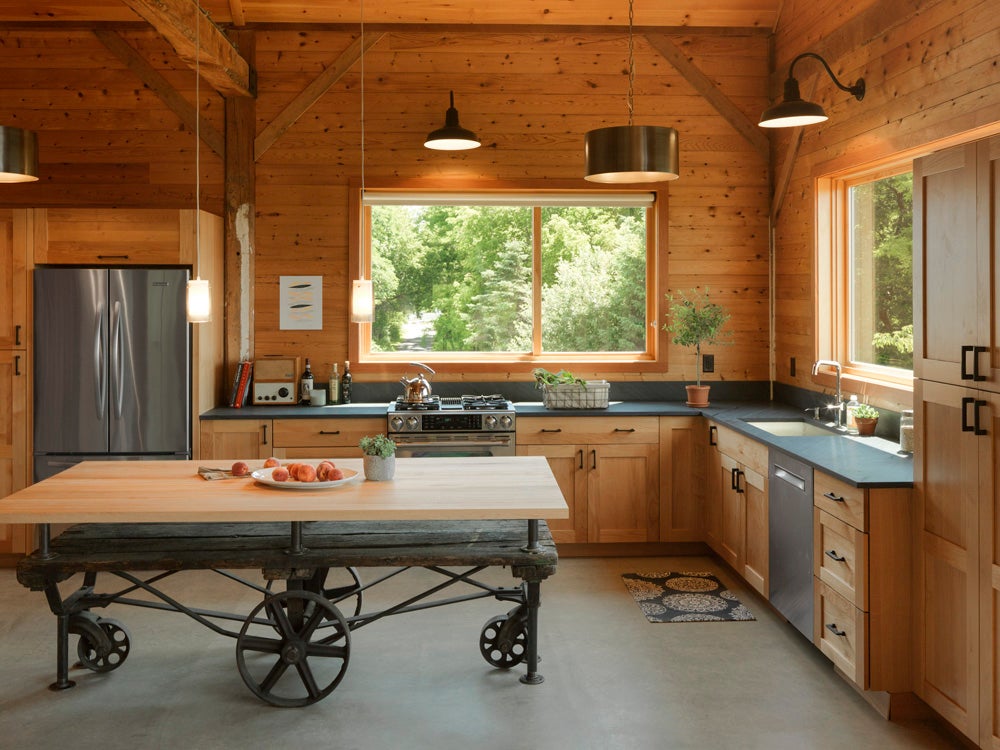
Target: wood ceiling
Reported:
point(745, 14)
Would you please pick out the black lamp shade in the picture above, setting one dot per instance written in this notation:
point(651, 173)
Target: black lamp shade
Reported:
point(632, 153)
point(452, 137)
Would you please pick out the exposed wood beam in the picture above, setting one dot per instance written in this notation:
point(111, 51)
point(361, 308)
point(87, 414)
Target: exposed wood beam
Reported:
point(311, 93)
point(185, 111)
point(189, 30)
point(704, 86)
point(236, 11)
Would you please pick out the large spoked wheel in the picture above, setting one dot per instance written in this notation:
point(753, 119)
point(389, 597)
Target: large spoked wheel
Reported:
point(104, 654)
point(503, 641)
point(293, 648)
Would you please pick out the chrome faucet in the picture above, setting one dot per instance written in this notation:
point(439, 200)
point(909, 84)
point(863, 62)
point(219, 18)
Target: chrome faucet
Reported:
point(838, 406)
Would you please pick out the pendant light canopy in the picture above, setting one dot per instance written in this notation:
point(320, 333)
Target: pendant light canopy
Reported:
point(793, 111)
point(18, 155)
point(199, 293)
point(452, 137)
point(631, 153)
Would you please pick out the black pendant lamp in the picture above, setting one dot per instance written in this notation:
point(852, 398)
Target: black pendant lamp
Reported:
point(452, 137)
point(631, 153)
point(793, 111)
point(18, 155)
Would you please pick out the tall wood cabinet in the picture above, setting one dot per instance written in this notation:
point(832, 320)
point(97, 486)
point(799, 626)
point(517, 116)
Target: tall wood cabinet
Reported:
point(957, 405)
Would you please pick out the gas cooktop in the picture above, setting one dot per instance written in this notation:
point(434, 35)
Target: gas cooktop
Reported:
point(460, 414)
point(493, 402)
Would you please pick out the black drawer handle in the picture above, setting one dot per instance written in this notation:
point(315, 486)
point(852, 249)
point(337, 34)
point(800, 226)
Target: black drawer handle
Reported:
point(832, 627)
point(976, 351)
point(966, 350)
point(112, 257)
point(17, 335)
point(740, 473)
point(624, 429)
point(713, 434)
point(329, 432)
point(264, 427)
point(732, 478)
point(832, 554)
point(593, 459)
point(546, 429)
point(835, 498)
point(976, 429)
point(966, 402)
point(17, 364)
point(581, 458)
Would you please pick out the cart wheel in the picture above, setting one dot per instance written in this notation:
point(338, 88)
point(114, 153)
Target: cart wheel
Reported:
point(346, 591)
point(503, 640)
point(104, 655)
point(312, 637)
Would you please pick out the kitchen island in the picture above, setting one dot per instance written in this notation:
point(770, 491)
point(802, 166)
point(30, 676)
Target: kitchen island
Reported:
point(161, 517)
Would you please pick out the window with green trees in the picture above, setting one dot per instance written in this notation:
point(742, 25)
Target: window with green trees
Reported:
point(516, 276)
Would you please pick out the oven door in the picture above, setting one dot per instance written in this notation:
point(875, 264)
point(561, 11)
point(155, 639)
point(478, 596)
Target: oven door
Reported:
point(455, 444)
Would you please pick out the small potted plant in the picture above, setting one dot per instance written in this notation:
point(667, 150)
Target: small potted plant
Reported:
point(380, 457)
point(866, 418)
point(695, 320)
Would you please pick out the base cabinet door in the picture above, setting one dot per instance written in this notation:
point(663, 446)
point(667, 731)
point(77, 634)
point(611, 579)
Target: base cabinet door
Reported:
point(682, 489)
point(715, 479)
point(566, 462)
point(13, 443)
point(733, 516)
point(236, 438)
point(622, 493)
point(753, 486)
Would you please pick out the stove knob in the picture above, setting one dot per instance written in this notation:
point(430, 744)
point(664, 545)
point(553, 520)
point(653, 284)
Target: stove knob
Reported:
point(506, 421)
point(396, 424)
point(412, 423)
point(491, 422)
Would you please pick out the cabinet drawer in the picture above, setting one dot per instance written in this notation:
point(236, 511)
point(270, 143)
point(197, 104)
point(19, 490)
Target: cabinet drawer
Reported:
point(840, 558)
point(322, 433)
point(589, 430)
point(747, 451)
point(841, 500)
point(840, 632)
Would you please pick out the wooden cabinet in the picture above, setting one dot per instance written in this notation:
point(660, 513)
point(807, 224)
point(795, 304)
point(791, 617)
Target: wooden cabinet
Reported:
point(862, 563)
point(682, 469)
point(608, 470)
point(236, 438)
point(736, 519)
point(323, 438)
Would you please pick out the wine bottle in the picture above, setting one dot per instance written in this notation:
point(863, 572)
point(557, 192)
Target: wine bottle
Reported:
point(306, 384)
point(345, 384)
point(333, 397)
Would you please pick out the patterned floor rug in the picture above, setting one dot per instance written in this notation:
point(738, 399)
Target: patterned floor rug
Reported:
point(684, 597)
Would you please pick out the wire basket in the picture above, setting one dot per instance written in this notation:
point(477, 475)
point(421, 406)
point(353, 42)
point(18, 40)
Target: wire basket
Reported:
point(593, 395)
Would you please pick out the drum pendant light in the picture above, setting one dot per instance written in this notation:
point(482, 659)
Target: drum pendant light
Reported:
point(452, 137)
point(18, 155)
point(199, 293)
point(631, 153)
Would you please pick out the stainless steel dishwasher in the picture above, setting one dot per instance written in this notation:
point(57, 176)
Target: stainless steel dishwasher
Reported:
point(790, 529)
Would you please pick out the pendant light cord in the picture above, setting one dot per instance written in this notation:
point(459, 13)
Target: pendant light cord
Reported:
point(197, 140)
point(361, 234)
point(631, 65)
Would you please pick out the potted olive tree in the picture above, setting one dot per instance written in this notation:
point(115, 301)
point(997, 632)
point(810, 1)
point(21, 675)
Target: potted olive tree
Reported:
point(379, 458)
point(695, 320)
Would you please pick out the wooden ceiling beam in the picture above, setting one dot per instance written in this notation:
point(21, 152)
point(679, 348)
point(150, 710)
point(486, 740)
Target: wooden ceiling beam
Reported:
point(189, 30)
point(159, 85)
point(704, 86)
point(311, 93)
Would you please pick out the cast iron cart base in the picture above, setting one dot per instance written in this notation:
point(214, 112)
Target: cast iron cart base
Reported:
point(293, 648)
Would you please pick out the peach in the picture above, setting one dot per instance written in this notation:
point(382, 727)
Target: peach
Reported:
point(306, 473)
point(280, 474)
point(293, 468)
point(271, 462)
point(240, 469)
point(335, 475)
point(323, 469)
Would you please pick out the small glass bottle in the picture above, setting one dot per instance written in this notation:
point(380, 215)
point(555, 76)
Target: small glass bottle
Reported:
point(906, 436)
point(345, 384)
point(333, 395)
point(306, 384)
point(849, 419)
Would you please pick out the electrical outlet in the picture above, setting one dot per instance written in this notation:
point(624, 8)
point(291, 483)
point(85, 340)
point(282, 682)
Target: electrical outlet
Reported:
point(708, 363)
point(791, 367)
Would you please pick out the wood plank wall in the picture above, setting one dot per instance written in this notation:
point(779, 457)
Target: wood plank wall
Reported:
point(106, 140)
point(932, 72)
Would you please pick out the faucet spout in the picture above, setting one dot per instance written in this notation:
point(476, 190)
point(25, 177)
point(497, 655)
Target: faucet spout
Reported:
point(839, 405)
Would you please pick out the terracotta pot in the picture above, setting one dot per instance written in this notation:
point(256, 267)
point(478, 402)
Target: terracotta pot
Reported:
point(378, 469)
point(866, 426)
point(697, 395)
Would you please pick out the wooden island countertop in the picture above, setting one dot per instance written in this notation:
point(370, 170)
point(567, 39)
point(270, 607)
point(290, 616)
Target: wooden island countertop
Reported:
point(428, 489)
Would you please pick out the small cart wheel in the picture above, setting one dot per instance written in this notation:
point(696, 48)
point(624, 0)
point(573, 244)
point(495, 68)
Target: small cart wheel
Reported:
point(104, 656)
point(503, 641)
point(311, 636)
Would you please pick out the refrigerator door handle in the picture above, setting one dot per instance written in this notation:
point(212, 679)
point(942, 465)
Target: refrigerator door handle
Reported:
point(117, 359)
point(99, 364)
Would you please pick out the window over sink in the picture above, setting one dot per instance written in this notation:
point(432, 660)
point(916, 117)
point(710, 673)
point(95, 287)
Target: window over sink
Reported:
point(514, 277)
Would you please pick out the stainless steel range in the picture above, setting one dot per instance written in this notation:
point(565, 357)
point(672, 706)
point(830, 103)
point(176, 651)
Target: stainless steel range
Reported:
point(452, 426)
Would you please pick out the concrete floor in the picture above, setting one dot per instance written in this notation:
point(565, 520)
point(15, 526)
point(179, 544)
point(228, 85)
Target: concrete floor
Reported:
point(612, 680)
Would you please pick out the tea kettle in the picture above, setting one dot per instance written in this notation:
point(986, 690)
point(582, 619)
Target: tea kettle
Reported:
point(417, 389)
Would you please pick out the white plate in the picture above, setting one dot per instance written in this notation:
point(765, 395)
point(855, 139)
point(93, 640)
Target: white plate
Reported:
point(264, 477)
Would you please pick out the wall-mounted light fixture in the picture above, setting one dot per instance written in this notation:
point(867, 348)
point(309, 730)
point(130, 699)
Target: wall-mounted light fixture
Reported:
point(631, 153)
point(18, 155)
point(793, 111)
point(199, 293)
point(452, 137)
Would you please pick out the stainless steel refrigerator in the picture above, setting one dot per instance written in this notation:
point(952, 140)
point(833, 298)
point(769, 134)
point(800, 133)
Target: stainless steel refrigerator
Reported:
point(112, 366)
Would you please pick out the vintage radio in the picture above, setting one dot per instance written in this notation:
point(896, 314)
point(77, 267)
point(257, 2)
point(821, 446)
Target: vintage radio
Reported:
point(275, 381)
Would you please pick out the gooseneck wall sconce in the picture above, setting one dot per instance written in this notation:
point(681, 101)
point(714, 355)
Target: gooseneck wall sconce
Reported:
point(452, 137)
point(793, 111)
point(631, 153)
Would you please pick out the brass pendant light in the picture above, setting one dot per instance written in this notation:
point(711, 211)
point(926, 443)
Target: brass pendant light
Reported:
point(631, 153)
point(18, 155)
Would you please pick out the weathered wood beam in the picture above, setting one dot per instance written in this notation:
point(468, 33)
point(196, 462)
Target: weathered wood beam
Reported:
point(237, 12)
point(704, 86)
point(185, 110)
point(311, 93)
point(189, 30)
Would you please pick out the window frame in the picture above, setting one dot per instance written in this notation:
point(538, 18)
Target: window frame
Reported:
point(833, 274)
point(492, 364)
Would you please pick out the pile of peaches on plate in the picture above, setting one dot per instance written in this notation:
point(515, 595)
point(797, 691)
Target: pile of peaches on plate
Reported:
point(323, 473)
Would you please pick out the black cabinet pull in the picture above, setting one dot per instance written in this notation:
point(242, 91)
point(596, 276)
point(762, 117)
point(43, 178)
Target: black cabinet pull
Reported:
point(966, 401)
point(17, 335)
point(976, 429)
point(593, 458)
point(835, 498)
point(624, 429)
point(832, 554)
point(832, 627)
point(17, 364)
point(740, 473)
point(329, 432)
point(713, 433)
point(581, 458)
point(112, 257)
point(264, 427)
point(732, 478)
point(976, 351)
point(546, 429)
point(966, 350)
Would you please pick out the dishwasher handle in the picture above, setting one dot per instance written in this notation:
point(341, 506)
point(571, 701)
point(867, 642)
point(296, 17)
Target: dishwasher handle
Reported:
point(793, 479)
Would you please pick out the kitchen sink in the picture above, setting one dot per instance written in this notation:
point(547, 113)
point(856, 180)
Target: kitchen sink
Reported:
point(790, 427)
